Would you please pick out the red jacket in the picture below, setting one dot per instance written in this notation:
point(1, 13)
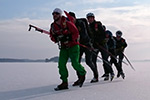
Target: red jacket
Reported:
point(65, 28)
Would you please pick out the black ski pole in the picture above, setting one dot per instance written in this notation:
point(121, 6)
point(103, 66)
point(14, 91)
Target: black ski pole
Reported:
point(92, 49)
point(109, 53)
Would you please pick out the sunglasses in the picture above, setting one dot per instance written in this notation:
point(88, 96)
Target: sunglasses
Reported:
point(55, 13)
point(90, 17)
point(118, 36)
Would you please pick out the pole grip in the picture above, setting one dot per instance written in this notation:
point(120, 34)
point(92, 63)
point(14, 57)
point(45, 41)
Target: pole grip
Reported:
point(29, 28)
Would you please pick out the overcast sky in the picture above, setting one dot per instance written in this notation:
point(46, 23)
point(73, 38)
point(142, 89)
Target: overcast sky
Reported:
point(132, 17)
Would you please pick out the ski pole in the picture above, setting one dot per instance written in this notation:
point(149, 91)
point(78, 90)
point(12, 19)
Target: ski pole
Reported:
point(92, 49)
point(38, 29)
point(42, 31)
point(109, 53)
point(128, 61)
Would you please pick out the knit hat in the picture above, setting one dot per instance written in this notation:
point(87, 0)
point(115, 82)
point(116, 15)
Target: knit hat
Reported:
point(72, 14)
point(57, 10)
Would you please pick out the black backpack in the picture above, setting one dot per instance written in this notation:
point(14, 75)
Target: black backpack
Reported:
point(85, 22)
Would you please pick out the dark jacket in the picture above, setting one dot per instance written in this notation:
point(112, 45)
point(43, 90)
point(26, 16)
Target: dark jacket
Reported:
point(111, 44)
point(83, 31)
point(97, 33)
point(120, 44)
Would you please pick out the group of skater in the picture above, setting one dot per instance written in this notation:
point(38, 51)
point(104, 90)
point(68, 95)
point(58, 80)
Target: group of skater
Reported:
point(78, 36)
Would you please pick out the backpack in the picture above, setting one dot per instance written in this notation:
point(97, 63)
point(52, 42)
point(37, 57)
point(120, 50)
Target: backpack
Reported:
point(85, 22)
point(84, 37)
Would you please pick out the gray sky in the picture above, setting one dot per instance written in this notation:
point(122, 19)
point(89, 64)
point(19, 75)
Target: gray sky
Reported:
point(132, 17)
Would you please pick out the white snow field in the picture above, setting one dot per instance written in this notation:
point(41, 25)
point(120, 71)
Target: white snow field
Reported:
point(36, 81)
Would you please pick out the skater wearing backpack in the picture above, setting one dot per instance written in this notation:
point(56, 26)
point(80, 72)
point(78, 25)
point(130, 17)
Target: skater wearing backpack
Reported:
point(66, 35)
point(97, 34)
point(85, 40)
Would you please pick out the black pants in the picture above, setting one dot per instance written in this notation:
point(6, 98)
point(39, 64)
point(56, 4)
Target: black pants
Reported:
point(121, 56)
point(113, 59)
point(118, 64)
point(106, 64)
point(88, 59)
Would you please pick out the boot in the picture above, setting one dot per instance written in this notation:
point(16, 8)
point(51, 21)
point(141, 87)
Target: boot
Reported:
point(76, 83)
point(122, 75)
point(118, 75)
point(94, 80)
point(62, 86)
point(112, 75)
point(103, 75)
point(81, 80)
point(106, 77)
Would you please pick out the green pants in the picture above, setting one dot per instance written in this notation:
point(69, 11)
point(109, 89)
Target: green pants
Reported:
point(73, 54)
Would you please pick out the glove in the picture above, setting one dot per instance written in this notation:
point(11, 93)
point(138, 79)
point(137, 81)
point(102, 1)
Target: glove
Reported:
point(120, 49)
point(58, 38)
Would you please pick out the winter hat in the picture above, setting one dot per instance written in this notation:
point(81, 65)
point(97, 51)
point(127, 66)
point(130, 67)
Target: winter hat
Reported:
point(57, 10)
point(72, 14)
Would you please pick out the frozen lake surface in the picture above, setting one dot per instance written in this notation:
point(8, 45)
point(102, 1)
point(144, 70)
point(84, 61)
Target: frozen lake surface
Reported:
point(36, 81)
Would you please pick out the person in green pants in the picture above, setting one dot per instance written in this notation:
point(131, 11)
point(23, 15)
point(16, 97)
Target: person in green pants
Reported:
point(66, 35)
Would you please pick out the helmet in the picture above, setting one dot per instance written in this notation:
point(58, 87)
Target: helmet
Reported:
point(57, 10)
point(109, 33)
point(90, 15)
point(119, 33)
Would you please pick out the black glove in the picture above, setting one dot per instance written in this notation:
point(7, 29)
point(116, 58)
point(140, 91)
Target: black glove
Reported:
point(62, 38)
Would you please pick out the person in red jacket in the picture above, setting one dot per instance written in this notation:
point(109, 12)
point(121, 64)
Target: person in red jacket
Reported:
point(66, 35)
